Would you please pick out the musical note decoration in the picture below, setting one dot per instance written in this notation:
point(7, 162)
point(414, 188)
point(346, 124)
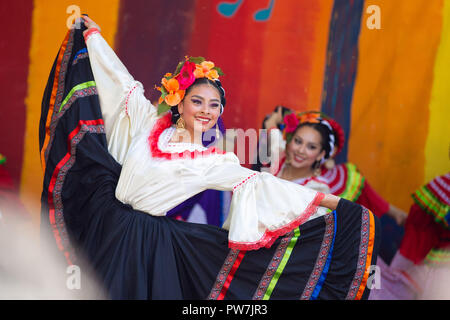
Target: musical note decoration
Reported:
point(264, 14)
point(228, 10)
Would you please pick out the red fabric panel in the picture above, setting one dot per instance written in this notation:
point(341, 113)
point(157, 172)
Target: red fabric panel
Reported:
point(14, 48)
point(152, 37)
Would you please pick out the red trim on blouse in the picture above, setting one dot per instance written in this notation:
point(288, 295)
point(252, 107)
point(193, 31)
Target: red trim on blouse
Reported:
point(440, 187)
point(319, 179)
point(339, 174)
point(270, 236)
point(162, 124)
point(280, 166)
point(90, 32)
point(244, 181)
point(128, 98)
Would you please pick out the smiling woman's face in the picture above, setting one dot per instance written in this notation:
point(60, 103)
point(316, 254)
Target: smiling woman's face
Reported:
point(200, 108)
point(305, 148)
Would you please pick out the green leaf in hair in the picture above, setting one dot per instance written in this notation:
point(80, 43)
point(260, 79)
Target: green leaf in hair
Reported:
point(163, 107)
point(219, 71)
point(196, 60)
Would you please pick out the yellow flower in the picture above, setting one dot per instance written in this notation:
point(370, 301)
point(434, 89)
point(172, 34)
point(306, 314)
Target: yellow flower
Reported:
point(207, 65)
point(198, 72)
point(212, 74)
point(205, 69)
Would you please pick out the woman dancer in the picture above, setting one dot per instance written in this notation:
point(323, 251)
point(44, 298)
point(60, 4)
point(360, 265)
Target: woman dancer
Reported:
point(171, 163)
point(421, 267)
point(108, 205)
point(343, 180)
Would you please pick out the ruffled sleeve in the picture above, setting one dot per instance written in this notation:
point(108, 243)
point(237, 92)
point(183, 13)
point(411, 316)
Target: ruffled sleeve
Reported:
point(263, 207)
point(126, 112)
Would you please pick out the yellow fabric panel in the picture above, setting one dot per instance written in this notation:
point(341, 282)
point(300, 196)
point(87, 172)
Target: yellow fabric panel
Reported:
point(392, 92)
point(437, 150)
point(48, 31)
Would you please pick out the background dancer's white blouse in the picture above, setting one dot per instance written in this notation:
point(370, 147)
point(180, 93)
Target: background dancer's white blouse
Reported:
point(155, 179)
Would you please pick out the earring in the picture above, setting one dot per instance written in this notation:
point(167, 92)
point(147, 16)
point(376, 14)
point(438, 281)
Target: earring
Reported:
point(287, 160)
point(181, 125)
point(329, 163)
point(317, 170)
point(217, 132)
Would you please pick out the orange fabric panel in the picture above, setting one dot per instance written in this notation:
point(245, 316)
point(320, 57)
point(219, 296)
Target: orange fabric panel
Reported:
point(48, 31)
point(392, 94)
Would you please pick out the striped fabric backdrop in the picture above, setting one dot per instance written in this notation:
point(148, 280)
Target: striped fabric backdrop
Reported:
point(388, 87)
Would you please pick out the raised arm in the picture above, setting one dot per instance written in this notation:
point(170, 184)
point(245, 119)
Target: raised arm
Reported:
point(125, 109)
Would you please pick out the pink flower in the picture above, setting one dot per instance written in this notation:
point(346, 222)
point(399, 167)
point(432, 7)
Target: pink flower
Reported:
point(186, 76)
point(291, 122)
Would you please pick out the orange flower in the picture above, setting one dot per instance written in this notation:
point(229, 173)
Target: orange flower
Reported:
point(173, 99)
point(171, 85)
point(181, 92)
point(310, 117)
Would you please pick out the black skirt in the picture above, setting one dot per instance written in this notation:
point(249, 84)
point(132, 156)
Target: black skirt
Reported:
point(138, 256)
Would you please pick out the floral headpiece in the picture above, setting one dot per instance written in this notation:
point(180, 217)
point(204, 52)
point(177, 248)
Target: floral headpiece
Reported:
point(174, 85)
point(293, 120)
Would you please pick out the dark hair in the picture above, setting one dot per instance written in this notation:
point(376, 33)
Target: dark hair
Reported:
point(324, 141)
point(215, 83)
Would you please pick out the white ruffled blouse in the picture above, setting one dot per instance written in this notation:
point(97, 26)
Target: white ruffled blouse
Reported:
point(157, 174)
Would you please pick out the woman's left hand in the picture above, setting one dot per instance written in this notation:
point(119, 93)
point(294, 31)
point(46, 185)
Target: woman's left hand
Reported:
point(397, 214)
point(330, 201)
point(89, 23)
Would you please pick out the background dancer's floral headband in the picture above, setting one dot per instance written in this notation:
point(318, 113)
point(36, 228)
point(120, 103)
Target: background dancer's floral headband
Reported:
point(175, 85)
point(293, 120)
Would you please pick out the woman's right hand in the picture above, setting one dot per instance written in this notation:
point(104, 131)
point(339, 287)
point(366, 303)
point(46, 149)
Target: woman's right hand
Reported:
point(274, 119)
point(89, 23)
point(330, 201)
